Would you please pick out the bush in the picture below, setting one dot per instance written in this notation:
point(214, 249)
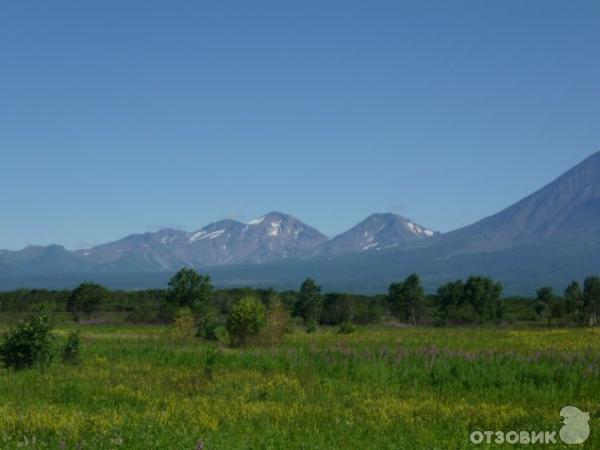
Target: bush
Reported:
point(29, 343)
point(246, 319)
point(346, 328)
point(311, 326)
point(207, 326)
point(277, 324)
point(184, 326)
point(70, 352)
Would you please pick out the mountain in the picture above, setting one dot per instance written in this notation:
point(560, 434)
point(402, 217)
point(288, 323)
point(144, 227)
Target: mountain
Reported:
point(161, 250)
point(566, 209)
point(41, 260)
point(549, 238)
point(376, 232)
point(271, 237)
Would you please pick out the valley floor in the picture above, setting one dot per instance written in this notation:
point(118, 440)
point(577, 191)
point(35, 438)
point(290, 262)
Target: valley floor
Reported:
point(378, 388)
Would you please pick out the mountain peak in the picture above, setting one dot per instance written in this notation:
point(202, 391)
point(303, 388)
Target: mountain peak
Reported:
point(377, 232)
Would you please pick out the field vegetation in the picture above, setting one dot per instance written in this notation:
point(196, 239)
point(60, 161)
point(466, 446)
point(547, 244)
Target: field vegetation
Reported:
point(193, 368)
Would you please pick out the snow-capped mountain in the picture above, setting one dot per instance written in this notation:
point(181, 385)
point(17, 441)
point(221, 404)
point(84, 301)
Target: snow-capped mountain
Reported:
point(376, 232)
point(268, 238)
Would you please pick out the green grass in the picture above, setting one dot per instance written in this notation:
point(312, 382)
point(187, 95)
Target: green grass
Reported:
point(379, 388)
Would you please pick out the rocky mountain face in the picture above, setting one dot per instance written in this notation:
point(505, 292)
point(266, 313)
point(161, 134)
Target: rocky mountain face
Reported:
point(268, 238)
point(376, 232)
point(271, 237)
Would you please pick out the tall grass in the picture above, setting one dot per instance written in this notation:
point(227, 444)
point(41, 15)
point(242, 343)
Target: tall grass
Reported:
point(378, 388)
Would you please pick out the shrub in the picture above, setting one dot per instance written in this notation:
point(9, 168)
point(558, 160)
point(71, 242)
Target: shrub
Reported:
point(207, 326)
point(346, 328)
point(184, 326)
point(246, 319)
point(29, 343)
point(70, 353)
point(311, 326)
point(277, 324)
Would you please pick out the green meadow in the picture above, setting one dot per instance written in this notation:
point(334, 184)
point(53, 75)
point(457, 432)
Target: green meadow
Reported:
point(381, 387)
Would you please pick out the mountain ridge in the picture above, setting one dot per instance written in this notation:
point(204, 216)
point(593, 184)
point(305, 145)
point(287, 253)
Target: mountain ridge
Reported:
point(548, 237)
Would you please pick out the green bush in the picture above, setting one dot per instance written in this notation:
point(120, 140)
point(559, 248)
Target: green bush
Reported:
point(246, 319)
point(30, 343)
point(346, 328)
point(184, 326)
point(71, 351)
point(207, 326)
point(311, 326)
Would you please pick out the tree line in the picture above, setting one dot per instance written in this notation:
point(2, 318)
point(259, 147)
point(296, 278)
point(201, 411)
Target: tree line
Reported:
point(476, 300)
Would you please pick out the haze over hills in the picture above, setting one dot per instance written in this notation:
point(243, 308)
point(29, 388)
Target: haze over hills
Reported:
point(548, 238)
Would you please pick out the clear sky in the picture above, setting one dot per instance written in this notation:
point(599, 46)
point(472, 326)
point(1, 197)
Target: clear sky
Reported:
point(120, 116)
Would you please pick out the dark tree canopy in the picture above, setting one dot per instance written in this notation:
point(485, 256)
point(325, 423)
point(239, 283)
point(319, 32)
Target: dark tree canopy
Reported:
point(475, 301)
point(86, 298)
point(309, 302)
point(407, 299)
point(188, 289)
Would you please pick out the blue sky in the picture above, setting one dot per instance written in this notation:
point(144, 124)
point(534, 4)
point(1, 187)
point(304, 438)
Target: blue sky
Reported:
point(121, 117)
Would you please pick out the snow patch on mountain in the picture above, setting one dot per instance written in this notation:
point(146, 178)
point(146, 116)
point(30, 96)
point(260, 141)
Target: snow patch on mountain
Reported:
point(201, 235)
point(275, 228)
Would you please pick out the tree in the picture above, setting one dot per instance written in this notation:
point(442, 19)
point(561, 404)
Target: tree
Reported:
point(451, 298)
point(246, 319)
point(483, 294)
point(85, 299)
point(574, 302)
point(30, 343)
point(188, 289)
point(309, 303)
point(407, 299)
point(337, 309)
point(591, 300)
point(394, 299)
point(545, 298)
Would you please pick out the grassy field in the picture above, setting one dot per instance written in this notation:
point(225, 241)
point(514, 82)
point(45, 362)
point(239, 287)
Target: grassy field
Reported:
point(379, 388)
